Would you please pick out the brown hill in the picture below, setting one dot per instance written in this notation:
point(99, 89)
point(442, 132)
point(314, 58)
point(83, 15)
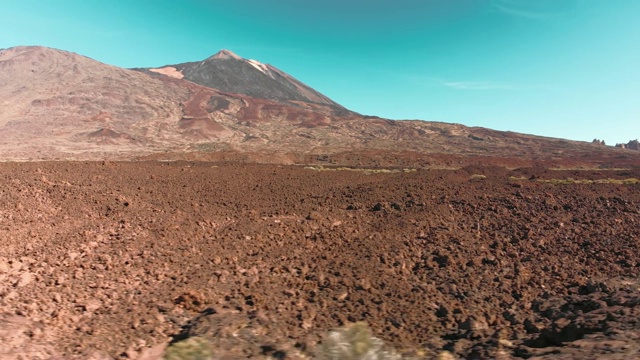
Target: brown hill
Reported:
point(60, 105)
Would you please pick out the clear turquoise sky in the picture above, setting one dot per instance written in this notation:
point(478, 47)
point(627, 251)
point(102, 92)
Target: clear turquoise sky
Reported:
point(560, 68)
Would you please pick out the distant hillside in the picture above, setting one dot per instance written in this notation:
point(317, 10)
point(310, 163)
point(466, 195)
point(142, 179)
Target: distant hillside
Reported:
point(56, 104)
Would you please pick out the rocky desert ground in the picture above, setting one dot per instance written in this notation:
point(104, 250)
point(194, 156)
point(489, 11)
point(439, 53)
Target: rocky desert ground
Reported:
point(248, 215)
point(116, 260)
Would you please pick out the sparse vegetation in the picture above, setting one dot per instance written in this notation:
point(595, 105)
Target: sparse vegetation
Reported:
point(193, 348)
point(354, 342)
point(351, 342)
point(568, 181)
point(366, 171)
point(588, 168)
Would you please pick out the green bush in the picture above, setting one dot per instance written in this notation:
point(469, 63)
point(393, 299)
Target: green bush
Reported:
point(354, 342)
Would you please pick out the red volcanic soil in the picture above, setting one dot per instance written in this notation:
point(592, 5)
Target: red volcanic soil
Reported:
point(107, 260)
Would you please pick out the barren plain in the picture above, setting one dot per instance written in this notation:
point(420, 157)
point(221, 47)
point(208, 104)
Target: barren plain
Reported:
point(252, 221)
point(114, 260)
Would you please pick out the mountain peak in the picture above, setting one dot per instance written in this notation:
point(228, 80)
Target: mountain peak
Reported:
point(225, 54)
point(246, 76)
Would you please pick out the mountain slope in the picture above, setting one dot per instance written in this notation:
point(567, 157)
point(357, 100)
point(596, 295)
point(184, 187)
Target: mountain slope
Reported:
point(228, 72)
point(59, 105)
point(54, 101)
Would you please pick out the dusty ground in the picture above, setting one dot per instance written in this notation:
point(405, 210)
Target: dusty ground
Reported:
point(106, 260)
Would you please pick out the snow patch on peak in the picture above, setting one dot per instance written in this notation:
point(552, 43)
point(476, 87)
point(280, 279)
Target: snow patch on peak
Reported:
point(169, 71)
point(260, 66)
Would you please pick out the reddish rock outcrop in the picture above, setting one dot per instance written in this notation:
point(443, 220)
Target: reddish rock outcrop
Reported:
point(631, 145)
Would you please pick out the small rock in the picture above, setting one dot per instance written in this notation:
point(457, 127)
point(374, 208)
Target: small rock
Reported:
point(445, 355)
point(505, 343)
point(377, 207)
point(24, 279)
point(61, 280)
point(314, 215)
point(490, 259)
point(364, 284)
point(131, 353)
point(307, 324)
point(4, 267)
point(91, 305)
point(473, 323)
point(442, 312)
point(562, 323)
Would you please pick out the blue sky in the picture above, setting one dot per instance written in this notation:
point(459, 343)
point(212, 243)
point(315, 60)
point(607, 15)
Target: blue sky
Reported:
point(559, 68)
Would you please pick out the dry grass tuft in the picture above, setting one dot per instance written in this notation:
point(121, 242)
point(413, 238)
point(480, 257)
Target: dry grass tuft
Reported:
point(365, 171)
point(478, 177)
point(193, 348)
point(569, 181)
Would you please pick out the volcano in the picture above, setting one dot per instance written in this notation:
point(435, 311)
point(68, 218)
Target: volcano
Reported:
point(229, 72)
